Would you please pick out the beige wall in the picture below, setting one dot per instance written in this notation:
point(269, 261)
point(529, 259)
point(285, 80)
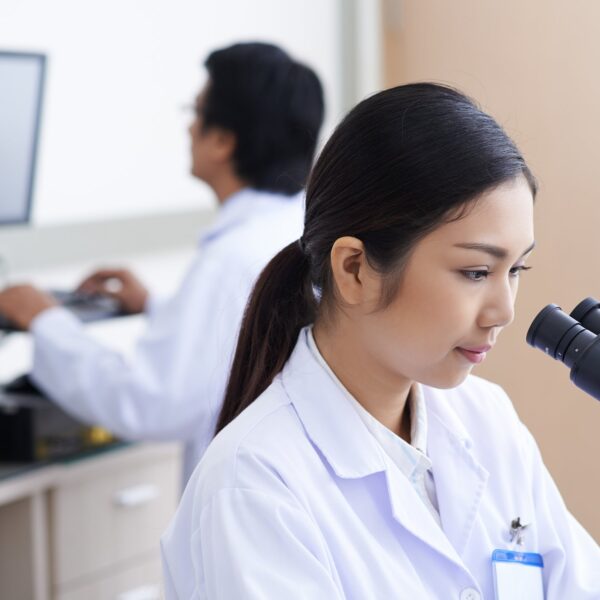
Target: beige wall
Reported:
point(534, 65)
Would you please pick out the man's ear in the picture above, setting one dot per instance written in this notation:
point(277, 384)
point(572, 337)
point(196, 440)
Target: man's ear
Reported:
point(355, 281)
point(223, 144)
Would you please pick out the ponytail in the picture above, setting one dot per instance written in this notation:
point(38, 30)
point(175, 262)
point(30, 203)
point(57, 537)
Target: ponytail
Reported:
point(281, 303)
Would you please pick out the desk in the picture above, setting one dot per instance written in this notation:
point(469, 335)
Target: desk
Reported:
point(87, 528)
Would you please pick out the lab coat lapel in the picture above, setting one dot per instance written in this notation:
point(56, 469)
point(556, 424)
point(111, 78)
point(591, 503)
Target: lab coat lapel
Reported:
point(334, 427)
point(330, 421)
point(411, 513)
point(460, 480)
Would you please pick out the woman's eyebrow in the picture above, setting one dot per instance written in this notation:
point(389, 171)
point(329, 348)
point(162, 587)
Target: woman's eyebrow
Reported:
point(495, 251)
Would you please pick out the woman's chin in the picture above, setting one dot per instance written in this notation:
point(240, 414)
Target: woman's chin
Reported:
point(446, 381)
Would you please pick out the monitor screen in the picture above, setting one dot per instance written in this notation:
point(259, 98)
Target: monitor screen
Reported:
point(21, 83)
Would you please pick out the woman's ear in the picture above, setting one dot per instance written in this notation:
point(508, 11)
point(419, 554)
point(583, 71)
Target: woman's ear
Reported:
point(355, 281)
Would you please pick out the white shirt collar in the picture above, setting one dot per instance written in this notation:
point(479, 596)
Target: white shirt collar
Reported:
point(408, 457)
point(244, 205)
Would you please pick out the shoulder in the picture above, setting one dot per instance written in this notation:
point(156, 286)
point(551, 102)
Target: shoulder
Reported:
point(263, 234)
point(252, 449)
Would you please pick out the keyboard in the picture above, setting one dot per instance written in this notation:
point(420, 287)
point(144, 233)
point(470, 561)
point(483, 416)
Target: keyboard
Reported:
point(86, 307)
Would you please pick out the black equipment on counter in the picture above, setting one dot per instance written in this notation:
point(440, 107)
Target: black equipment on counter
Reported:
point(32, 428)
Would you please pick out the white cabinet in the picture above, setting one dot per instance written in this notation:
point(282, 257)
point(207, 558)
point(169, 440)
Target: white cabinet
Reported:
point(140, 582)
point(89, 529)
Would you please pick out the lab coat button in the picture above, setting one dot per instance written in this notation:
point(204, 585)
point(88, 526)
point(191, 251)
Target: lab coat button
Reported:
point(470, 594)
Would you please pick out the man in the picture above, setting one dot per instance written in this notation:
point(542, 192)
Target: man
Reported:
point(252, 141)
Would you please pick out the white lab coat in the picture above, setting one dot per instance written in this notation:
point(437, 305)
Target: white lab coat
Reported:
point(295, 499)
point(173, 387)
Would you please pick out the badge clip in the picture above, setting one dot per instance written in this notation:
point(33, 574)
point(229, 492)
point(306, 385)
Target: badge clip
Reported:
point(517, 531)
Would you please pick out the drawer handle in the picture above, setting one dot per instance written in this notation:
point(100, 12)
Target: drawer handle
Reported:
point(144, 592)
point(136, 495)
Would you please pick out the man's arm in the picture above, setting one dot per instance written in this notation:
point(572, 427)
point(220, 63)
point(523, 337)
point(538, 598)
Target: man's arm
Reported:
point(21, 304)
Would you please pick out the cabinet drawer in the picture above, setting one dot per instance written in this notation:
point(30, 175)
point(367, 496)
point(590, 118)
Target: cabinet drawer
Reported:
point(114, 516)
point(136, 583)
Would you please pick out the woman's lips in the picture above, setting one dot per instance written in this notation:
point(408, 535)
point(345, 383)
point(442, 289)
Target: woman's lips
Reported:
point(475, 355)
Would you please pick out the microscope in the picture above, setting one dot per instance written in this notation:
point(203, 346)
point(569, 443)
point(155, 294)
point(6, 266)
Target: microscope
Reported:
point(572, 339)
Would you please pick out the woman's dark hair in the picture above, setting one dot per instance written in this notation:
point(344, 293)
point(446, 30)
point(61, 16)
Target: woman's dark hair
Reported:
point(400, 164)
point(274, 106)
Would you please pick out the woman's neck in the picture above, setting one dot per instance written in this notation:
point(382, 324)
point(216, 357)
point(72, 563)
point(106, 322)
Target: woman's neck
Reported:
point(383, 394)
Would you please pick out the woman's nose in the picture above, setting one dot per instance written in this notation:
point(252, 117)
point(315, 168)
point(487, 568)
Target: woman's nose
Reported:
point(499, 310)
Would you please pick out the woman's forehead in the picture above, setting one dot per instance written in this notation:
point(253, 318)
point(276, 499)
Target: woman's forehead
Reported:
point(505, 212)
point(501, 217)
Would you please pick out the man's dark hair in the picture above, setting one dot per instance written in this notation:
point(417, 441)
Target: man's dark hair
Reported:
point(274, 106)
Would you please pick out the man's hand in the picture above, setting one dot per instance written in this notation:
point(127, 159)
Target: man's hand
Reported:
point(120, 284)
point(22, 303)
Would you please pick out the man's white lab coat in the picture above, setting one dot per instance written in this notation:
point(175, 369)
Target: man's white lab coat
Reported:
point(173, 387)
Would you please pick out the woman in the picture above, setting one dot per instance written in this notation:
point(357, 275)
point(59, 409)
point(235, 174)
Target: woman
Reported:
point(367, 462)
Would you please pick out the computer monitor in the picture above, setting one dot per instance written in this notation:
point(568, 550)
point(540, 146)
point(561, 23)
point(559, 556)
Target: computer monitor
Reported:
point(21, 89)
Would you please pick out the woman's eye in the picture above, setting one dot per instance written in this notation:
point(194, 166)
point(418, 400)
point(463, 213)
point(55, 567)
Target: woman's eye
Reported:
point(477, 275)
point(516, 271)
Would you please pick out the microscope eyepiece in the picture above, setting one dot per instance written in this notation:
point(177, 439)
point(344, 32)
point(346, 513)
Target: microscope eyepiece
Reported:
point(587, 312)
point(573, 340)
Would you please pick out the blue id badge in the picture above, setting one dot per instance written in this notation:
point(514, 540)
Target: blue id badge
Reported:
point(518, 575)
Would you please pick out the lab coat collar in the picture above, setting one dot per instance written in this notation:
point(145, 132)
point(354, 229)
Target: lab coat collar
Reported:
point(244, 205)
point(330, 421)
point(408, 457)
point(335, 428)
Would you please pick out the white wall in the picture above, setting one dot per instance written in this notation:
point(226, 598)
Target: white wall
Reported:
point(114, 140)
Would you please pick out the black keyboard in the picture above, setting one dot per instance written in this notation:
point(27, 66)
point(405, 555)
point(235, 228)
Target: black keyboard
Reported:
point(86, 307)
